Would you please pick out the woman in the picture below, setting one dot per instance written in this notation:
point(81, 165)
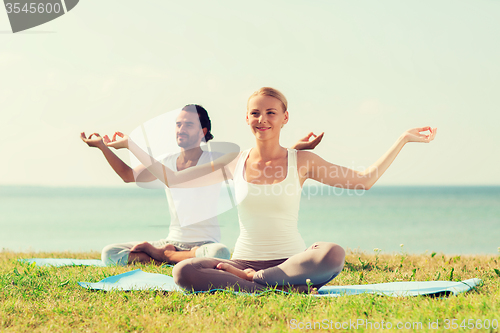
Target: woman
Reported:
point(268, 180)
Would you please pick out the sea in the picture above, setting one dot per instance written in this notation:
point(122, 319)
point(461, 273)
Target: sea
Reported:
point(454, 220)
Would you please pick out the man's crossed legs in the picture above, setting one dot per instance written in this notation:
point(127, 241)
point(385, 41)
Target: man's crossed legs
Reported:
point(162, 251)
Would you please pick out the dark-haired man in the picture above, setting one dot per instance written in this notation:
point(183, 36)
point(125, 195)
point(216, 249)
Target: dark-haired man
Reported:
point(191, 233)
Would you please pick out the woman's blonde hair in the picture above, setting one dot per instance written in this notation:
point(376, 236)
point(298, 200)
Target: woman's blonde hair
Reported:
point(267, 91)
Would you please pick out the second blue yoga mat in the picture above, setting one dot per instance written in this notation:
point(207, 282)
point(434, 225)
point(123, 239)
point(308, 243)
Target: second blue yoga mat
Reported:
point(139, 280)
point(61, 262)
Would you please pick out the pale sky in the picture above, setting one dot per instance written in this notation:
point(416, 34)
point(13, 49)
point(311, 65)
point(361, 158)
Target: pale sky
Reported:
point(363, 72)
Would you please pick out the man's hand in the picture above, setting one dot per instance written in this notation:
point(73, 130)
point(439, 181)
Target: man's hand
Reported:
point(304, 143)
point(96, 142)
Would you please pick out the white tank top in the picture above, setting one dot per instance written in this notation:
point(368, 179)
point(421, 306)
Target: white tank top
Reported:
point(268, 214)
point(193, 211)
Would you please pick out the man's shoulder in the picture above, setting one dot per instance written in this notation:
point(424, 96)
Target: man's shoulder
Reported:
point(211, 155)
point(167, 156)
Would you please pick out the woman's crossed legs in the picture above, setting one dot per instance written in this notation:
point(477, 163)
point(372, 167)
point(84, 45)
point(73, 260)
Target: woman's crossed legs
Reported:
point(320, 263)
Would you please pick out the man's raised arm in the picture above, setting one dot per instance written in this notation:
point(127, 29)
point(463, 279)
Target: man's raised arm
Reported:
point(126, 173)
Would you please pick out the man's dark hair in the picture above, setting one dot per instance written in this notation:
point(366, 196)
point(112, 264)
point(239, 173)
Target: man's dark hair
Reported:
point(204, 119)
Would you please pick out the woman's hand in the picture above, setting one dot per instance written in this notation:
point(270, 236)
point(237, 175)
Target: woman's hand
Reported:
point(246, 274)
point(121, 142)
point(304, 143)
point(96, 142)
point(415, 135)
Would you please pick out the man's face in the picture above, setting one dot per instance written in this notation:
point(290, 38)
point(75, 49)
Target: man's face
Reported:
point(188, 130)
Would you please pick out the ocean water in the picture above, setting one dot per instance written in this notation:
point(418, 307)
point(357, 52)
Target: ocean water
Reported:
point(451, 220)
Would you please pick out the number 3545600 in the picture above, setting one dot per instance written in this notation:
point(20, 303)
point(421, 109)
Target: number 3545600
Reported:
point(471, 324)
point(32, 8)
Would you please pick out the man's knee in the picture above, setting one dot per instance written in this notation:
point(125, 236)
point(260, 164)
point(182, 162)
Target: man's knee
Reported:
point(213, 250)
point(106, 253)
point(114, 255)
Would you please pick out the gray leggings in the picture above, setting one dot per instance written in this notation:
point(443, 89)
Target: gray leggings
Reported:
point(320, 263)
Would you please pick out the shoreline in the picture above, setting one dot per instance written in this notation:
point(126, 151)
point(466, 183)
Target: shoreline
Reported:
point(95, 254)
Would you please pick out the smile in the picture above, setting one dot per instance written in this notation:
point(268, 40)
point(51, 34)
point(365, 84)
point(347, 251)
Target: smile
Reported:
point(263, 128)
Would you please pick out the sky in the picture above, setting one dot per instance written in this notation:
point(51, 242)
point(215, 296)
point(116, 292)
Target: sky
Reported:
point(363, 72)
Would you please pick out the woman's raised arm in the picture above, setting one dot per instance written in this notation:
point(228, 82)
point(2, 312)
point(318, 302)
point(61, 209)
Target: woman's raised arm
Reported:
point(202, 175)
point(334, 175)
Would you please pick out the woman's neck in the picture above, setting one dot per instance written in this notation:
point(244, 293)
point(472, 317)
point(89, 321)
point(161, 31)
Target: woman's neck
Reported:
point(267, 150)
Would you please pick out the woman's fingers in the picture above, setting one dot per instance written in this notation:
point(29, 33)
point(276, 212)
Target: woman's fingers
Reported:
point(105, 138)
point(432, 134)
point(423, 129)
point(117, 144)
point(120, 134)
point(429, 137)
point(317, 139)
point(419, 134)
point(418, 130)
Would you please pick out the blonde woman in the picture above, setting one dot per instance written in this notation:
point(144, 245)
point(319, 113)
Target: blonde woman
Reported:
point(268, 180)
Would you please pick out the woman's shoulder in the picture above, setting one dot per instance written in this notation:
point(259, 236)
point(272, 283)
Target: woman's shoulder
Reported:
point(303, 155)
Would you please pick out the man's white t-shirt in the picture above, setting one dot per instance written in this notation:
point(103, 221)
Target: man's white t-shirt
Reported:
point(193, 211)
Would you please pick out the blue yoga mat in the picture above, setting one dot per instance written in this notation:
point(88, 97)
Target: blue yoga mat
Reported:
point(139, 280)
point(61, 262)
point(57, 262)
point(134, 280)
point(398, 289)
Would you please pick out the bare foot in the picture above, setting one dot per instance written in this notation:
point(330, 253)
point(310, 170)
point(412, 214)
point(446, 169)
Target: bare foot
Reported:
point(250, 273)
point(246, 274)
point(141, 247)
point(171, 253)
point(153, 251)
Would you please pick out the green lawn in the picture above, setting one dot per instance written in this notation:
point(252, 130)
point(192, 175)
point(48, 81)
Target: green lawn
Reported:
point(49, 299)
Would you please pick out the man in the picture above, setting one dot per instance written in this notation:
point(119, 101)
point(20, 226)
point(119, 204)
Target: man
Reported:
point(185, 240)
point(189, 235)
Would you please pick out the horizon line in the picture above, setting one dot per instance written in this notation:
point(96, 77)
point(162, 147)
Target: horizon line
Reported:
point(305, 185)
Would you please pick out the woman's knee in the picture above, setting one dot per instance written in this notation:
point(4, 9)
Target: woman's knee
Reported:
point(187, 273)
point(332, 254)
point(183, 272)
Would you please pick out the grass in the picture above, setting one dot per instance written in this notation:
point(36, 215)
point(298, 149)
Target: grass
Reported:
point(49, 299)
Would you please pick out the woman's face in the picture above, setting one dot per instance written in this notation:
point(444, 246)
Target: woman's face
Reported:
point(265, 116)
